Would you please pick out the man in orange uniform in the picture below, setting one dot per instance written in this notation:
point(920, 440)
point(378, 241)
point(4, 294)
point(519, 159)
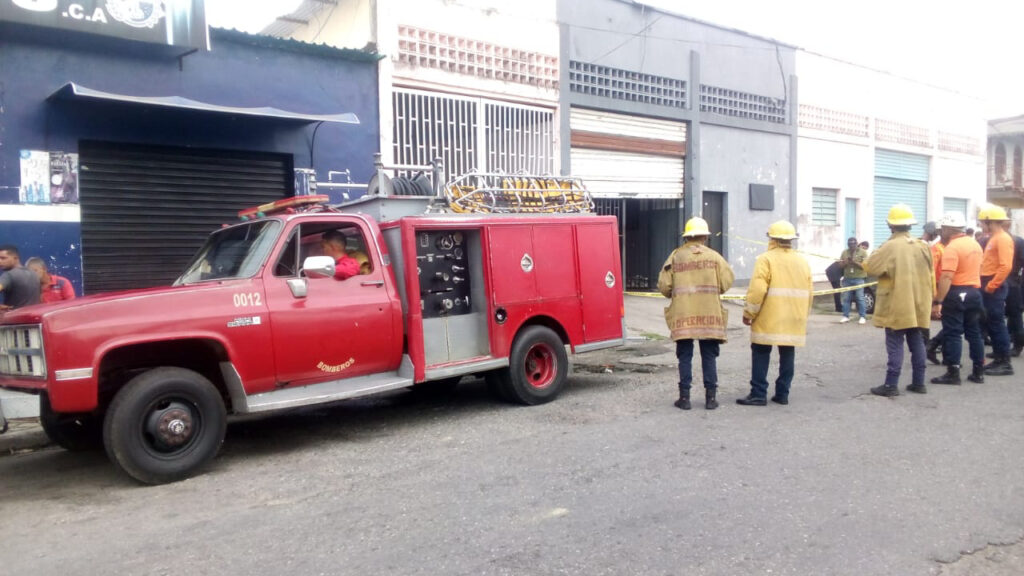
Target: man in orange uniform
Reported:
point(933, 237)
point(995, 268)
point(959, 296)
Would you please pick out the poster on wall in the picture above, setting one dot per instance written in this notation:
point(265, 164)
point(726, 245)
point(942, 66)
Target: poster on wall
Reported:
point(63, 178)
point(48, 177)
point(35, 177)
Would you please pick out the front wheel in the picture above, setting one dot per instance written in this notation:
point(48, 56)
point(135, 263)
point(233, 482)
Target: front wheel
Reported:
point(537, 369)
point(164, 425)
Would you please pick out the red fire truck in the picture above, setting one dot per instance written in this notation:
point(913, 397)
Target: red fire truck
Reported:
point(257, 323)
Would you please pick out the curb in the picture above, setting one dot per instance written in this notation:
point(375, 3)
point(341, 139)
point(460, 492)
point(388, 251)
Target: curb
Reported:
point(24, 435)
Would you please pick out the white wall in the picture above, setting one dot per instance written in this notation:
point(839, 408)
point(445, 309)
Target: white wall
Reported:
point(827, 159)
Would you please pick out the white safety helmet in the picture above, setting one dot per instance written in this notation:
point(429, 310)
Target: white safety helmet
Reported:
point(953, 220)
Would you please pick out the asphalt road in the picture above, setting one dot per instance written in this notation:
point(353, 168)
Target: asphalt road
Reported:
point(608, 479)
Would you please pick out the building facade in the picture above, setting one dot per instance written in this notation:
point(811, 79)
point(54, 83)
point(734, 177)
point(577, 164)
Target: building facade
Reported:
point(119, 156)
point(868, 140)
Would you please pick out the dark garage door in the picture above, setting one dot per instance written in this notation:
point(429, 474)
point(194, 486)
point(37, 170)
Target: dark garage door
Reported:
point(146, 209)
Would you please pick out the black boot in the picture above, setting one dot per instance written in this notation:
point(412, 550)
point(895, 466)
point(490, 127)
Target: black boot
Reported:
point(1017, 350)
point(710, 400)
point(684, 401)
point(977, 374)
point(952, 376)
point(932, 351)
point(999, 367)
point(918, 388)
point(751, 400)
point(886, 390)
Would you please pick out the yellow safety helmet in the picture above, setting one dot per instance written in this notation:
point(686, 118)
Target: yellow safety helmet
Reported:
point(782, 230)
point(696, 226)
point(992, 212)
point(901, 215)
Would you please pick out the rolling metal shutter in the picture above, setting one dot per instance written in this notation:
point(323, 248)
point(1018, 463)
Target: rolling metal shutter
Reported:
point(900, 178)
point(146, 210)
point(619, 173)
point(958, 205)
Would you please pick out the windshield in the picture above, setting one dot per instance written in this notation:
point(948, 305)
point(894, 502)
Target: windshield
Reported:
point(235, 252)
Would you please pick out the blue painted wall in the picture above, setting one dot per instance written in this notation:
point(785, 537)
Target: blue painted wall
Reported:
point(240, 70)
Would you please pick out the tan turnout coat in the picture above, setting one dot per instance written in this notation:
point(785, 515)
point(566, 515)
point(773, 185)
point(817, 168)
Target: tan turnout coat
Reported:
point(906, 282)
point(693, 277)
point(779, 297)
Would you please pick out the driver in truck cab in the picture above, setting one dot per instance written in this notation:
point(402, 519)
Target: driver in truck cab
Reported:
point(333, 244)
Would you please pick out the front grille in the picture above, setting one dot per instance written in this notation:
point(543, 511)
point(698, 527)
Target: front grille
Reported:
point(21, 351)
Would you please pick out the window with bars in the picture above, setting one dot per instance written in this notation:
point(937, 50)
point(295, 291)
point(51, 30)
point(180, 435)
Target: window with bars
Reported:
point(618, 84)
point(718, 100)
point(823, 207)
point(472, 134)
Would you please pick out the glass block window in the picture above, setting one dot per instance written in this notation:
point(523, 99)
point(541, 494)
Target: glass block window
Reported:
point(472, 134)
point(618, 84)
point(950, 142)
point(900, 133)
point(418, 47)
point(718, 100)
point(817, 118)
point(823, 207)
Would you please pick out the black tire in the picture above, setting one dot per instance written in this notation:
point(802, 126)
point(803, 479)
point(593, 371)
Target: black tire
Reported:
point(869, 300)
point(72, 432)
point(537, 370)
point(164, 425)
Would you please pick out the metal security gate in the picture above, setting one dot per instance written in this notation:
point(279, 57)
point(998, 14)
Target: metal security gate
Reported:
point(648, 233)
point(900, 178)
point(146, 209)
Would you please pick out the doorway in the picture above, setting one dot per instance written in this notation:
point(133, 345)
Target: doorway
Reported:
point(713, 211)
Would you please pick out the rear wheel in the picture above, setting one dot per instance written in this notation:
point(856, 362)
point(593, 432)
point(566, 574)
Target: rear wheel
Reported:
point(73, 432)
point(164, 425)
point(869, 301)
point(538, 365)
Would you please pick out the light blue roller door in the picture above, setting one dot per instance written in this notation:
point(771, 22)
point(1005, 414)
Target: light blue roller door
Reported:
point(958, 205)
point(900, 178)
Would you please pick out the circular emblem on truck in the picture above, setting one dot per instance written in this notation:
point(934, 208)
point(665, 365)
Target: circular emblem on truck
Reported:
point(609, 279)
point(526, 263)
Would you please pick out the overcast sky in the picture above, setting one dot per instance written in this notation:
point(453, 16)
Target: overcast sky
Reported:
point(971, 47)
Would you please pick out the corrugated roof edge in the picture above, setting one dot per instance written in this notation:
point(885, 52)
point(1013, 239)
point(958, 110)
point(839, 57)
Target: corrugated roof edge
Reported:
point(232, 35)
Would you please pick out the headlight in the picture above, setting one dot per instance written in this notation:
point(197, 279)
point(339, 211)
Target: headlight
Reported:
point(21, 351)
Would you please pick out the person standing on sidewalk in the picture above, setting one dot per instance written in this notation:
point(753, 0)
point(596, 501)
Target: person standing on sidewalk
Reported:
point(959, 296)
point(906, 289)
point(995, 269)
point(19, 286)
point(779, 299)
point(694, 276)
point(852, 260)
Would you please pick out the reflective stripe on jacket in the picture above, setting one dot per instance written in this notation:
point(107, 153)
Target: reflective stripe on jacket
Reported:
point(693, 277)
point(779, 297)
point(906, 282)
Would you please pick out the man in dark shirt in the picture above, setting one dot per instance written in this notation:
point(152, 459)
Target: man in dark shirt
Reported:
point(1015, 296)
point(19, 287)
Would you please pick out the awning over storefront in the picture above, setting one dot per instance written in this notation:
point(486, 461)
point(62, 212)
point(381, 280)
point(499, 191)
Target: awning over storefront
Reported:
point(74, 92)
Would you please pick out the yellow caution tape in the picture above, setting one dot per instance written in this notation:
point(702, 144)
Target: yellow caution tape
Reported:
point(743, 297)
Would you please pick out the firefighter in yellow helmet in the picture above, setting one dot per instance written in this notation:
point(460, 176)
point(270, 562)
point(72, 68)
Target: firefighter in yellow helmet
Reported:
point(779, 299)
point(996, 264)
point(906, 289)
point(693, 277)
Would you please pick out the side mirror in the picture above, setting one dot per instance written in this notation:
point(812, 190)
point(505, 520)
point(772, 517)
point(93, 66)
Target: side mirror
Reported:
point(319, 266)
point(298, 286)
